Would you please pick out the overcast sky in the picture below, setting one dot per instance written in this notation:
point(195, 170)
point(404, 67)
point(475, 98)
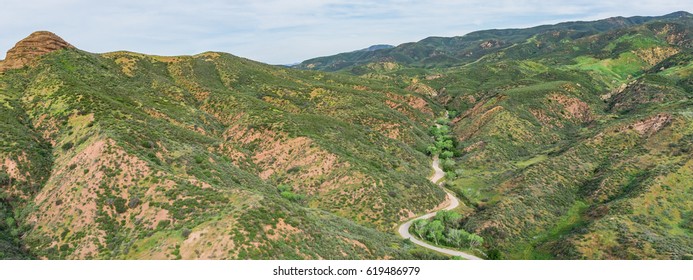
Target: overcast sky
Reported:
point(287, 31)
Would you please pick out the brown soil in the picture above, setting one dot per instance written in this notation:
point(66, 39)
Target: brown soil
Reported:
point(281, 230)
point(573, 108)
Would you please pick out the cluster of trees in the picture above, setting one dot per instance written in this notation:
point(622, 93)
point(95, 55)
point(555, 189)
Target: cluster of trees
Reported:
point(444, 147)
point(444, 229)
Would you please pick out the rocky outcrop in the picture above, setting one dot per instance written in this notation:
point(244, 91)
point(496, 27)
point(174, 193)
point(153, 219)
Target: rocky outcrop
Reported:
point(26, 51)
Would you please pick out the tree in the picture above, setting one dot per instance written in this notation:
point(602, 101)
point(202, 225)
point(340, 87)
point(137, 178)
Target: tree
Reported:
point(475, 240)
point(435, 231)
point(448, 164)
point(448, 218)
point(446, 154)
point(420, 227)
point(431, 149)
point(455, 237)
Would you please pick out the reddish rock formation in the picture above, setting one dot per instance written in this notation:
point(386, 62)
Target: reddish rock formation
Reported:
point(26, 51)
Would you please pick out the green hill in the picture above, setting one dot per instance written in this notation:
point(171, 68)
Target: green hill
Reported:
point(572, 140)
point(124, 155)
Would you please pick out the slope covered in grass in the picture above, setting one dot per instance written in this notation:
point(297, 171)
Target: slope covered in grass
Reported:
point(124, 155)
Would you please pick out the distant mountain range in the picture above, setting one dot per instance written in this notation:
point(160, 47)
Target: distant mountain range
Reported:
point(450, 51)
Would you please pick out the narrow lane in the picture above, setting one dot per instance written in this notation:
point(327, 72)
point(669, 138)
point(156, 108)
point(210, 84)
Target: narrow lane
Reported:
point(454, 202)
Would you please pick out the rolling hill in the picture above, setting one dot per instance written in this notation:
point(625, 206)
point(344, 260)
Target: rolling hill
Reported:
point(125, 155)
point(572, 140)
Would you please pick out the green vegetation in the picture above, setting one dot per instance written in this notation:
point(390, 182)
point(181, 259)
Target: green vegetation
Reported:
point(562, 133)
point(130, 150)
point(570, 141)
point(443, 229)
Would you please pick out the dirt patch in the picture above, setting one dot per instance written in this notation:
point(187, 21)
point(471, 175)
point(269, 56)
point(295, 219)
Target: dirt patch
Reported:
point(48, 127)
point(573, 108)
point(651, 125)
point(415, 102)
point(212, 240)
point(475, 146)
point(281, 230)
point(545, 119)
point(405, 215)
point(355, 244)
point(10, 166)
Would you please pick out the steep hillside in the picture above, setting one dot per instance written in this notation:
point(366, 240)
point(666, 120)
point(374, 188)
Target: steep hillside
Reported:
point(124, 155)
point(572, 144)
point(572, 140)
point(451, 51)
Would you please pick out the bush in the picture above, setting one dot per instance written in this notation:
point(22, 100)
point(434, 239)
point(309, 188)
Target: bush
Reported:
point(134, 202)
point(67, 146)
point(119, 204)
point(163, 224)
point(292, 196)
point(199, 159)
point(494, 254)
point(185, 232)
point(4, 178)
point(148, 144)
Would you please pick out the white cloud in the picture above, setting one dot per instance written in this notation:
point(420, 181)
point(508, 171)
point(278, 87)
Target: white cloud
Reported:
point(284, 31)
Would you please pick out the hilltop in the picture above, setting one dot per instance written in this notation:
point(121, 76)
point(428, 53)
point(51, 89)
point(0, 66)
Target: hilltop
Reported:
point(29, 49)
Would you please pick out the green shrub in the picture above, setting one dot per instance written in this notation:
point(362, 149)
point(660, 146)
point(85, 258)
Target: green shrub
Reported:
point(119, 204)
point(67, 146)
point(4, 178)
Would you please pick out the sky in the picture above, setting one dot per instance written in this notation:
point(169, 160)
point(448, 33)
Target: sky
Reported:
point(288, 31)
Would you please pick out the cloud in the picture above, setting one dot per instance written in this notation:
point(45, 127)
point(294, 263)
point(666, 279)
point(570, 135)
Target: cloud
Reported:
point(285, 31)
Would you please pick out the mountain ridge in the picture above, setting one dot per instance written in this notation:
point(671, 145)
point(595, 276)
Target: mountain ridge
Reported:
point(457, 50)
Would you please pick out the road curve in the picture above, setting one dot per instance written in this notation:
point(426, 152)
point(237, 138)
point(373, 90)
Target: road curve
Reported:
point(454, 202)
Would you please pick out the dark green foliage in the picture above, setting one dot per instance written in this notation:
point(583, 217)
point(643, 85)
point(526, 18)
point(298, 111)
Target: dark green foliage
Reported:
point(163, 224)
point(185, 232)
point(4, 178)
point(119, 204)
point(67, 146)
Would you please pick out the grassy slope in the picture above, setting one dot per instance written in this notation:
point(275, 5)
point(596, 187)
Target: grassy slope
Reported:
point(180, 157)
point(573, 143)
point(567, 180)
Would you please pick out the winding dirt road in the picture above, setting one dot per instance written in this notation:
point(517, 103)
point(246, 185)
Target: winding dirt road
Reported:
point(454, 202)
